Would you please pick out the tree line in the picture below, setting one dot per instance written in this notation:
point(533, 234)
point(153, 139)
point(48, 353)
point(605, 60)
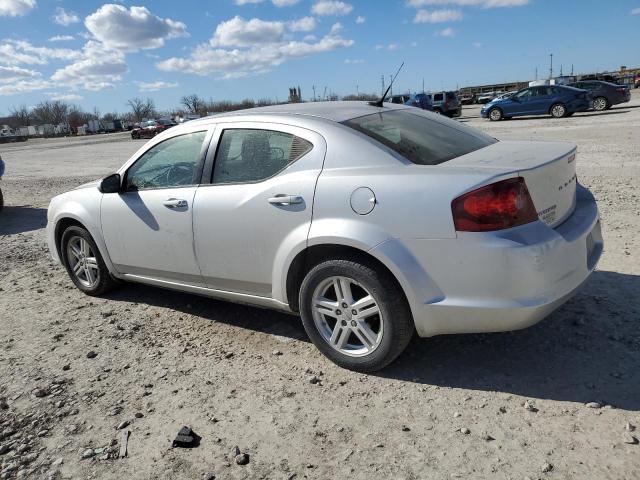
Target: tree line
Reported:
point(58, 111)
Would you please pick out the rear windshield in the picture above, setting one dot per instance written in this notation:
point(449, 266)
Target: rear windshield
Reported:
point(418, 138)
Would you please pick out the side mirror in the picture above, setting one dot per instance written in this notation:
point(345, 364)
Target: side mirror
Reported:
point(110, 184)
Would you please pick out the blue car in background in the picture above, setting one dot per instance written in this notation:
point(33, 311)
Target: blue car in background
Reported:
point(555, 100)
point(419, 100)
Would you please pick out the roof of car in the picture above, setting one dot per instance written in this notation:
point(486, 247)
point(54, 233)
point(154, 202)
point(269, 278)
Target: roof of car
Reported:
point(334, 111)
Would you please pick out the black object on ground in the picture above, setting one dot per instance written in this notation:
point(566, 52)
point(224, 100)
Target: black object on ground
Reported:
point(186, 438)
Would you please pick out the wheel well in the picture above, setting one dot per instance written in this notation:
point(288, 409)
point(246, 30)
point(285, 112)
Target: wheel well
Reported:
point(61, 226)
point(312, 256)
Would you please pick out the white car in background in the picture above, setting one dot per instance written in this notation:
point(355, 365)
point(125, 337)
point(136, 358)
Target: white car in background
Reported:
point(370, 222)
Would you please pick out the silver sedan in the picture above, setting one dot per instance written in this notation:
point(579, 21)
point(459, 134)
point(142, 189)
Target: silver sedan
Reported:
point(371, 223)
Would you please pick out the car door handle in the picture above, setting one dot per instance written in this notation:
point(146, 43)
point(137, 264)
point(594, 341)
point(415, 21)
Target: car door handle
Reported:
point(174, 203)
point(285, 200)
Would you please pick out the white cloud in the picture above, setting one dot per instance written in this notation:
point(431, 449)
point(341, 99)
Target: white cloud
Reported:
point(16, 52)
point(239, 32)
point(304, 24)
point(133, 29)
point(247, 2)
point(331, 7)
point(66, 97)
point(336, 28)
point(258, 58)
point(8, 74)
point(96, 69)
point(62, 38)
point(477, 44)
point(445, 32)
point(353, 61)
point(437, 16)
point(24, 86)
point(635, 11)
point(16, 8)
point(64, 18)
point(360, 20)
point(393, 46)
point(467, 3)
point(155, 86)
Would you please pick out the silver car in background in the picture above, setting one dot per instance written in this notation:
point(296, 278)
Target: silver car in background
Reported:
point(372, 223)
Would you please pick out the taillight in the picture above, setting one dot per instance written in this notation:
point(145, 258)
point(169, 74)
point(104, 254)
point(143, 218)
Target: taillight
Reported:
point(501, 205)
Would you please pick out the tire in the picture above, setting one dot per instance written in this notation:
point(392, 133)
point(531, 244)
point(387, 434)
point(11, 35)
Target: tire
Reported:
point(495, 114)
point(134, 136)
point(600, 104)
point(1, 201)
point(388, 329)
point(558, 110)
point(102, 281)
point(438, 111)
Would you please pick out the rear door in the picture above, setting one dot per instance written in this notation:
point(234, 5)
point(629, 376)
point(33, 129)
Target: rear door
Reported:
point(258, 205)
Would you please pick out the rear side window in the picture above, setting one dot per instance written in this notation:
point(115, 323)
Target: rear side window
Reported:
point(252, 155)
point(438, 97)
point(418, 138)
point(451, 96)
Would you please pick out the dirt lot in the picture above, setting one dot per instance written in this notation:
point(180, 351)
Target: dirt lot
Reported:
point(240, 376)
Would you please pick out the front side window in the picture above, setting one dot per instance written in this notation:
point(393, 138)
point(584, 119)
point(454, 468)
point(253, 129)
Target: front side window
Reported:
point(418, 138)
point(253, 155)
point(525, 94)
point(172, 163)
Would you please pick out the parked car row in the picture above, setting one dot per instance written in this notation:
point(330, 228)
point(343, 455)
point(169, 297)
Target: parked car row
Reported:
point(151, 128)
point(556, 100)
point(444, 103)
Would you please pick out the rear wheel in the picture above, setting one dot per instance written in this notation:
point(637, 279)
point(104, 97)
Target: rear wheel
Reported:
point(355, 315)
point(84, 264)
point(600, 104)
point(558, 110)
point(495, 114)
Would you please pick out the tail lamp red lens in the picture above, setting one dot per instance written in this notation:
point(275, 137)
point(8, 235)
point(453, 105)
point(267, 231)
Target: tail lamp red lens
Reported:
point(501, 205)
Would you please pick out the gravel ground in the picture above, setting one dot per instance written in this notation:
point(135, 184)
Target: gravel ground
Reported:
point(560, 400)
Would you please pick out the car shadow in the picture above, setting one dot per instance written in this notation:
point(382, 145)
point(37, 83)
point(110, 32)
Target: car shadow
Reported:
point(20, 219)
point(585, 351)
point(242, 316)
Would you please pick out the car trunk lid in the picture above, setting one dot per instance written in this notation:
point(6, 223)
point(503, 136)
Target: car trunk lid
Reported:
point(548, 168)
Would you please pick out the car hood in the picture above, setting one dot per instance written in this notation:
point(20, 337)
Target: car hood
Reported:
point(501, 101)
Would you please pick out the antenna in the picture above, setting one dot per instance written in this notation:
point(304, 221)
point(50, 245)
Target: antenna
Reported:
point(379, 103)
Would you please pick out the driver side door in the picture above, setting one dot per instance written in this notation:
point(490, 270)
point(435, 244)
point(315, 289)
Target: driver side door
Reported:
point(147, 227)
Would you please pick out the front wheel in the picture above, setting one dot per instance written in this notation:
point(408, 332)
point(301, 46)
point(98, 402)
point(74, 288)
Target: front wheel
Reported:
point(495, 114)
point(356, 315)
point(600, 104)
point(84, 264)
point(558, 110)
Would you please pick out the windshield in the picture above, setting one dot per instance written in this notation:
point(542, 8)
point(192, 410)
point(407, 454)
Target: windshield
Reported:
point(420, 139)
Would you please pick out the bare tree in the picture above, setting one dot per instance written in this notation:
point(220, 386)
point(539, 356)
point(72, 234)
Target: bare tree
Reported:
point(22, 115)
point(141, 109)
point(53, 112)
point(194, 104)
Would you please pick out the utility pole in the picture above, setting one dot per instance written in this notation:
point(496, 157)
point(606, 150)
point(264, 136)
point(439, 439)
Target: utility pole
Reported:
point(572, 69)
point(551, 66)
point(382, 91)
point(357, 91)
point(536, 72)
point(422, 84)
point(560, 69)
point(314, 92)
point(391, 83)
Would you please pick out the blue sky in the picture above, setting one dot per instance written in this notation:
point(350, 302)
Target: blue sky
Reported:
point(100, 54)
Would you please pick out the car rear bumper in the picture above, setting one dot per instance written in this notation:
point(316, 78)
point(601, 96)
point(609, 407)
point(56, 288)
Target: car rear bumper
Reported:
point(506, 280)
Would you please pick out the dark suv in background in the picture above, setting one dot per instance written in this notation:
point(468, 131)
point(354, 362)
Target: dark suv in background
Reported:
point(446, 103)
point(419, 100)
point(604, 94)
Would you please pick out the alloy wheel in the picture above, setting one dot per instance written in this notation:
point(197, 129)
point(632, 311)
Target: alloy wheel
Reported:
point(558, 111)
point(83, 262)
point(347, 316)
point(495, 114)
point(600, 104)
